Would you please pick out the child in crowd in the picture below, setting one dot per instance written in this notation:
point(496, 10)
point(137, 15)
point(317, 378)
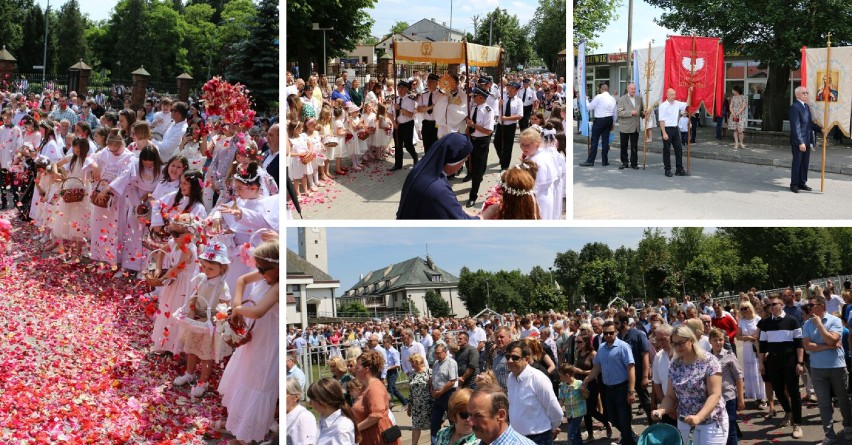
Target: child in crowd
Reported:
point(352, 142)
point(48, 188)
point(365, 146)
point(328, 139)
point(683, 127)
point(299, 151)
point(573, 396)
point(71, 219)
point(315, 141)
point(210, 290)
point(338, 129)
point(384, 129)
point(182, 267)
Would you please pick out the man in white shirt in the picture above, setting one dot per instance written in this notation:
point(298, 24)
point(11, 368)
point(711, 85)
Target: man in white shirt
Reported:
point(669, 115)
point(426, 106)
point(403, 111)
point(604, 107)
point(172, 136)
point(534, 411)
point(660, 367)
point(409, 349)
point(511, 111)
point(528, 98)
point(480, 126)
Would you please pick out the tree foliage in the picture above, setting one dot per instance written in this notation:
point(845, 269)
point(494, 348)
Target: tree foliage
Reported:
point(591, 17)
point(399, 27)
point(354, 309)
point(438, 307)
point(255, 61)
point(549, 21)
point(503, 28)
point(771, 31)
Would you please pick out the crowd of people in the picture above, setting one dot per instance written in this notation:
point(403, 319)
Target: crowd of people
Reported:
point(160, 198)
point(335, 130)
point(517, 378)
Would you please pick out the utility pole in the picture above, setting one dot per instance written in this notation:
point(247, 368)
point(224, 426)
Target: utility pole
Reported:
point(44, 61)
point(629, 41)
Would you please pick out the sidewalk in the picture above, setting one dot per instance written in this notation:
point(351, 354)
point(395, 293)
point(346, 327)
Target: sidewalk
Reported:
point(838, 157)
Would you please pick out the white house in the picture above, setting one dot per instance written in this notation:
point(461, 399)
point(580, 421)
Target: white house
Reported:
point(429, 29)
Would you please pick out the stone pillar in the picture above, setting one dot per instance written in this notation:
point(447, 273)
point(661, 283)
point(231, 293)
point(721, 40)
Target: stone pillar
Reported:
point(78, 78)
point(385, 66)
point(140, 85)
point(184, 81)
point(7, 66)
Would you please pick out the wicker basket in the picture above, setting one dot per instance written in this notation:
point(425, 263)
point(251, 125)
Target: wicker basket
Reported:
point(72, 194)
point(152, 278)
point(102, 203)
point(236, 332)
point(329, 141)
point(142, 212)
point(154, 241)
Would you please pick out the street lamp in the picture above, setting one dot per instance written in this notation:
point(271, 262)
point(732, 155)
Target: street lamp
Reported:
point(487, 292)
point(210, 59)
point(316, 27)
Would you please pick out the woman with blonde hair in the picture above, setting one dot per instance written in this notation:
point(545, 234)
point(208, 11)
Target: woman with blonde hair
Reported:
point(459, 431)
point(547, 177)
point(694, 393)
point(337, 422)
point(420, 403)
point(749, 334)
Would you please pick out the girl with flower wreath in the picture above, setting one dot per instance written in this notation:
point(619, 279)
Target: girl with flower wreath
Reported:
point(48, 188)
point(547, 175)
point(518, 192)
point(352, 143)
point(384, 130)
point(104, 238)
point(366, 146)
point(249, 385)
point(237, 221)
point(50, 149)
point(298, 149)
point(181, 266)
point(315, 141)
point(338, 129)
point(71, 219)
point(209, 291)
point(247, 152)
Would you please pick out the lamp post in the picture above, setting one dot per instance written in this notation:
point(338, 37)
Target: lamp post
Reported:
point(487, 292)
point(210, 59)
point(316, 27)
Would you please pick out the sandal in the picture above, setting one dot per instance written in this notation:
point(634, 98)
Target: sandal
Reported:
point(340, 173)
point(771, 414)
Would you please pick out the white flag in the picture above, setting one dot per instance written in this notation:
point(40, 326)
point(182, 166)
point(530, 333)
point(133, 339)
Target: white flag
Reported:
point(656, 65)
point(836, 86)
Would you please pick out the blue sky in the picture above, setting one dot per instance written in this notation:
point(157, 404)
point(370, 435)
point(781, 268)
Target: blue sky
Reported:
point(355, 251)
point(387, 12)
point(614, 38)
point(96, 9)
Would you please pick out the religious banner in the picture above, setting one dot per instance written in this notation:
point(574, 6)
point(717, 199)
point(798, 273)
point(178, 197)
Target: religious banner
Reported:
point(697, 62)
point(447, 52)
point(832, 87)
point(581, 89)
point(649, 73)
point(479, 55)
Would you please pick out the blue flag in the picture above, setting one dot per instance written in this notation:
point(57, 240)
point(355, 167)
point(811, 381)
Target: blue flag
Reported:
point(639, 92)
point(581, 84)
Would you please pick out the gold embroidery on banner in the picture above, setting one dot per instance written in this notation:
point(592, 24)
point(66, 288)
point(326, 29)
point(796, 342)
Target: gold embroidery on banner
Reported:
point(426, 48)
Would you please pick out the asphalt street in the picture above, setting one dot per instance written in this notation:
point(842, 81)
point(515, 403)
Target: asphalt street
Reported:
point(715, 190)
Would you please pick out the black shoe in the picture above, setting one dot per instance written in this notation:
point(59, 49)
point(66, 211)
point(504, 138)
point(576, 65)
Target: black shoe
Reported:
point(604, 163)
point(669, 173)
point(805, 188)
point(467, 178)
point(587, 164)
point(623, 166)
point(794, 189)
point(393, 169)
point(635, 167)
point(682, 173)
point(453, 176)
point(471, 203)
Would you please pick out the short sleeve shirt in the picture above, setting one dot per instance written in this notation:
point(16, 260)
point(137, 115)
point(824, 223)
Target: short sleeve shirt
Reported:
point(638, 342)
point(443, 372)
point(690, 386)
point(832, 358)
point(613, 361)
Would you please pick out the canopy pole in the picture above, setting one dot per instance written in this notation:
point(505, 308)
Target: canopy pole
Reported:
point(826, 101)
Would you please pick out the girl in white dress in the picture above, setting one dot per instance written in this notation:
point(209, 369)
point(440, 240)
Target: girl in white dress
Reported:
point(111, 162)
point(135, 186)
point(547, 177)
point(351, 142)
point(368, 147)
point(249, 385)
point(244, 155)
point(384, 133)
point(49, 148)
point(315, 140)
point(297, 147)
point(193, 146)
point(329, 141)
point(209, 290)
point(140, 132)
point(181, 266)
point(338, 129)
point(48, 187)
point(71, 220)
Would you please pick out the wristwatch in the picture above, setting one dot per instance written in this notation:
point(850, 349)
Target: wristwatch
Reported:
point(801, 363)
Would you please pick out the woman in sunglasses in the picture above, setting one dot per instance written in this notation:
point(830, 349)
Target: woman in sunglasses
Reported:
point(748, 335)
point(459, 431)
point(694, 393)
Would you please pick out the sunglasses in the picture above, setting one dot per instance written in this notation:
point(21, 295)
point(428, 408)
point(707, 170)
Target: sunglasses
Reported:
point(743, 308)
point(263, 270)
point(513, 357)
point(464, 415)
point(609, 333)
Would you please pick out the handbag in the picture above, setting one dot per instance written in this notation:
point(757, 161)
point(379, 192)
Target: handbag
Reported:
point(391, 434)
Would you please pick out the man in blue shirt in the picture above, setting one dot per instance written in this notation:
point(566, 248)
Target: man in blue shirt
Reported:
point(639, 346)
point(822, 338)
point(615, 360)
point(790, 307)
point(392, 365)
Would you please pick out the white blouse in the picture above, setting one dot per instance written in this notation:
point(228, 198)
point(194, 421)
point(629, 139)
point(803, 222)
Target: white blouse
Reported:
point(301, 427)
point(336, 429)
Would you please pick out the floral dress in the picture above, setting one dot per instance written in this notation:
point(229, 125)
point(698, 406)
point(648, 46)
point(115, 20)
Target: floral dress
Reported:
point(739, 105)
point(421, 399)
point(690, 386)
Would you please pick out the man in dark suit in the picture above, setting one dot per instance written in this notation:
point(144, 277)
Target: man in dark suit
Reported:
point(801, 140)
point(270, 163)
point(630, 108)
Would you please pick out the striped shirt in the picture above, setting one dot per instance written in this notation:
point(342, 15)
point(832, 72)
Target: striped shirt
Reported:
point(780, 335)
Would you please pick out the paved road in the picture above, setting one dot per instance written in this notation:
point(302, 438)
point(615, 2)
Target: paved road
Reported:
point(716, 190)
point(374, 193)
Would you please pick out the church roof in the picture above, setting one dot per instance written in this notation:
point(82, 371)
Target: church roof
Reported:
point(412, 272)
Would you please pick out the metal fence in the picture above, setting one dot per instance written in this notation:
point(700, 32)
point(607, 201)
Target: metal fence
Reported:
point(37, 82)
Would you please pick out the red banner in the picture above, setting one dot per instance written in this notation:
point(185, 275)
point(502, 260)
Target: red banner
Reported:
point(698, 62)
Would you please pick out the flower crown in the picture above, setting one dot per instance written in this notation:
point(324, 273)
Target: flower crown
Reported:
point(517, 192)
point(268, 260)
point(548, 134)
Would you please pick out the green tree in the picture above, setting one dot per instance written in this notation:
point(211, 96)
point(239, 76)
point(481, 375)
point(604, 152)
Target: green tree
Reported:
point(33, 28)
point(600, 281)
point(354, 309)
point(199, 37)
point(399, 27)
point(567, 271)
point(772, 31)
point(72, 44)
point(473, 289)
point(12, 13)
point(255, 62)
point(503, 28)
point(348, 30)
point(702, 275)
point(591, 17)
point(595, 251)
point(684, 245)
point(626, 261)
point(549, 21)
point(438, 307)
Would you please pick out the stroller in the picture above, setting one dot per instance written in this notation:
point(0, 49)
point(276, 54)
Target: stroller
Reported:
point(661, 434)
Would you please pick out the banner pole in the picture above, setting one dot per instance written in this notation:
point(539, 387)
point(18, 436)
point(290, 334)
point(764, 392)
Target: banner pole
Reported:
point(826, 101)
point(466, 86)
point(396, 141)
point(688, 106)
point(647, 94)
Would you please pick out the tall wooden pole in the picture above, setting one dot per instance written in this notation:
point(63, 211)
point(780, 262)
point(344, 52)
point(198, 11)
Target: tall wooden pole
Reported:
point(826, 101)
point(396, 136)
point(468, 89)
point(647, 94)
point(688, 110)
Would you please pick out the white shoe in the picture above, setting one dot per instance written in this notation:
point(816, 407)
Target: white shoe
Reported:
point(797, 432)
point(119, 274)
point(199, 390)
point(183, 379)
